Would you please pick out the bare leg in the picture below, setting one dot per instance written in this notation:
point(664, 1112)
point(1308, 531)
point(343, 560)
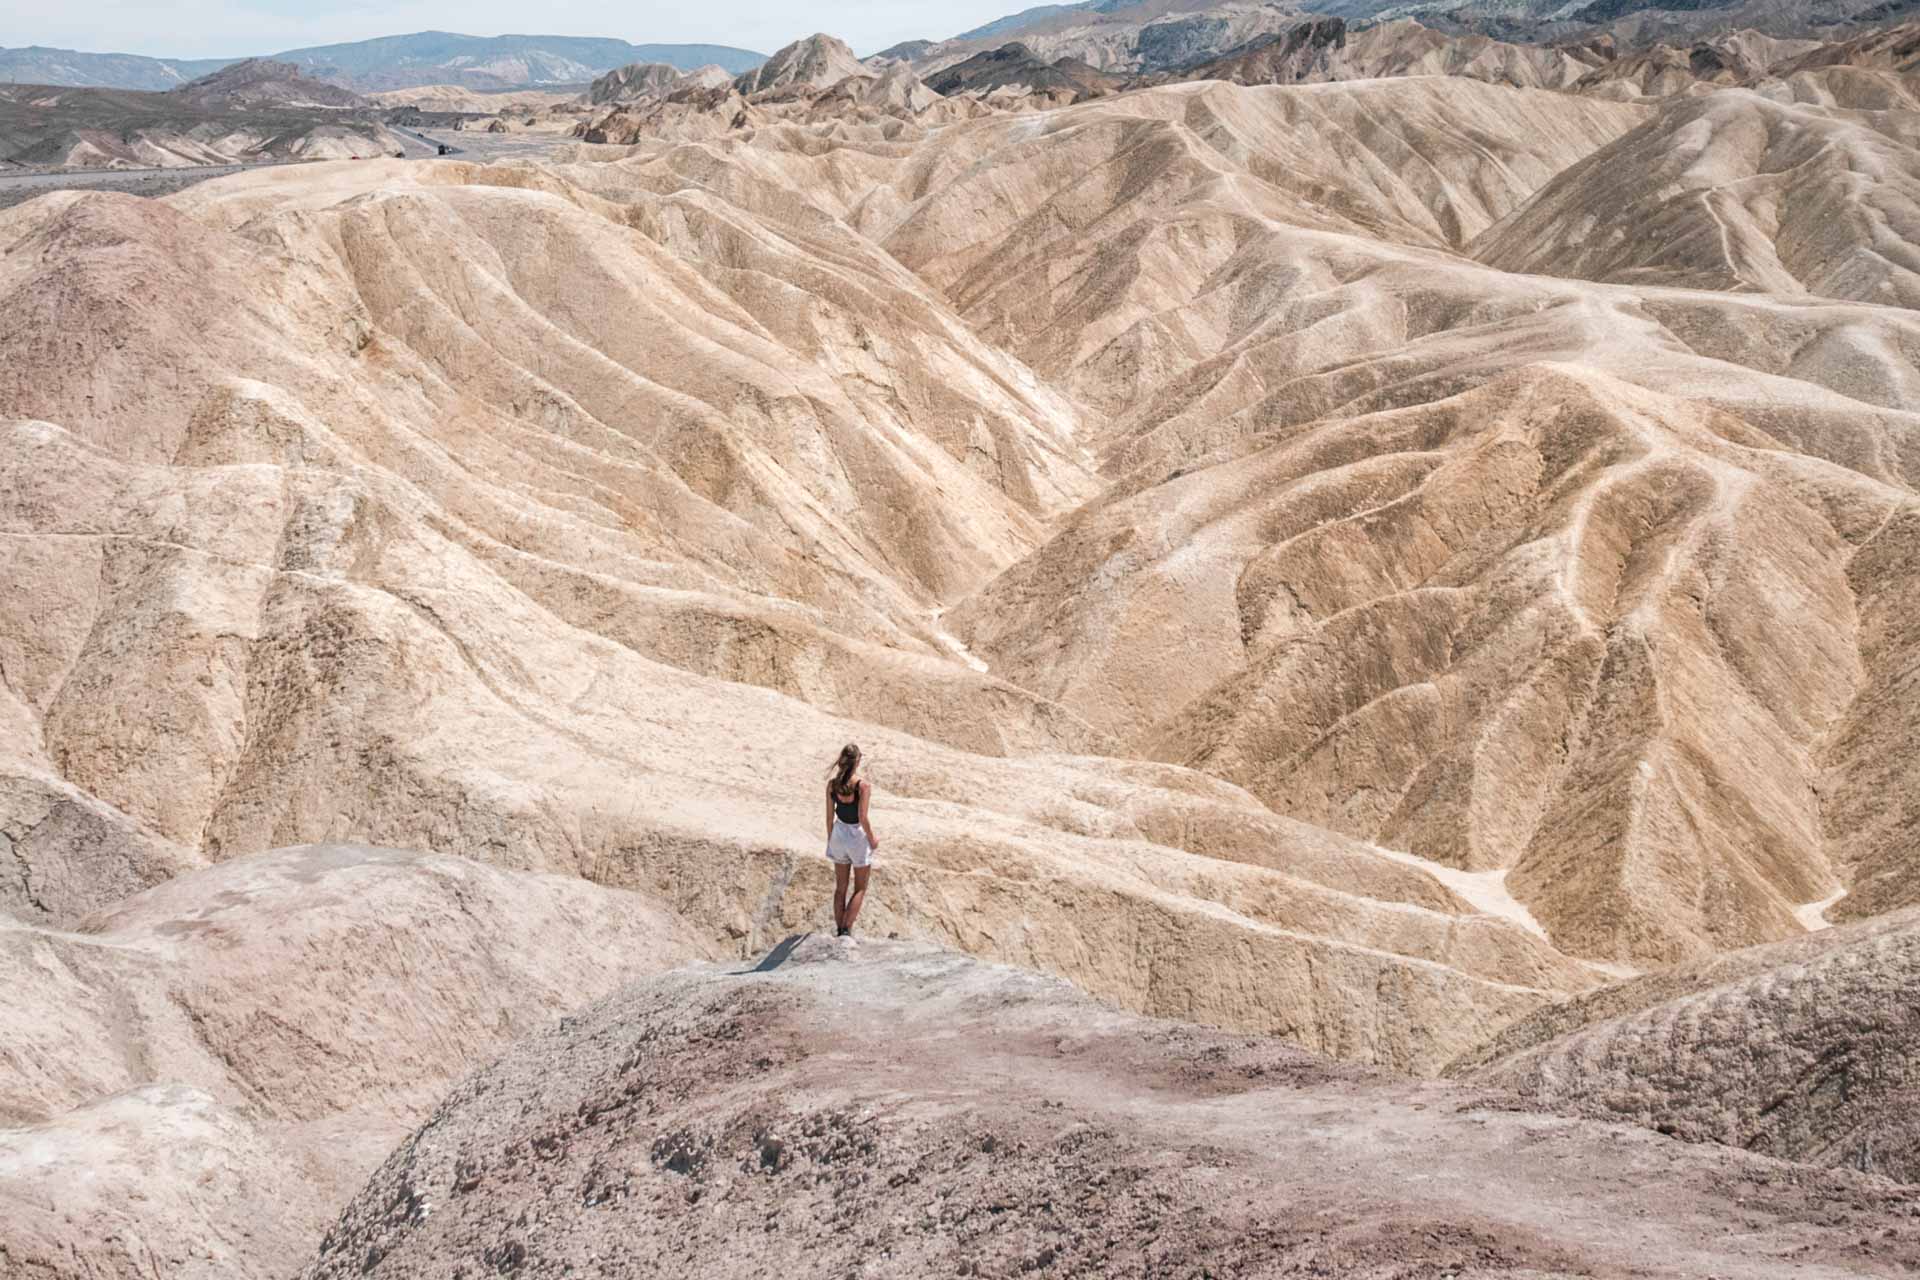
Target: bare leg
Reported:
point(840, 870)
point(859, 898)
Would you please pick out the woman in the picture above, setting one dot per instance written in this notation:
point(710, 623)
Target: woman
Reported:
point(850, 838)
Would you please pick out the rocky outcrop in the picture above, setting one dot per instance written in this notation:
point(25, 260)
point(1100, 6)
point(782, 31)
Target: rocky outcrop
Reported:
point(48, 128)
point(1014, 69)
point(798, 85)
point(906, 1112)
point(819, 61)
point(262, 82)
point(1122, 37)
point(1324, 49)
point(636, 80)
point(1300, 53)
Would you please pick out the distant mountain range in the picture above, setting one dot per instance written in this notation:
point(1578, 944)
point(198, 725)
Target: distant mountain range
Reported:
point(1123, 36)
point(1635, 22)
point(1014, 23)
point(1148, 36)
point(388, 62)
point(439, 57)
point(37, 64)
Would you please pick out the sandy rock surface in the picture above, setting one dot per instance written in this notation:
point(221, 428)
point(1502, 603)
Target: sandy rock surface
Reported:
point(682, 546)
point(1274, 588)
point(193, 1081)
point(901, 1111)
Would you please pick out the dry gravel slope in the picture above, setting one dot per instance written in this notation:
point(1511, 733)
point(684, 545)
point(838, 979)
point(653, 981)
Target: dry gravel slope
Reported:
point(1804, 1049)
point(903, 1111)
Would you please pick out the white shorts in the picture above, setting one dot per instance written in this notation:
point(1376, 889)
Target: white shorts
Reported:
point(848, 845)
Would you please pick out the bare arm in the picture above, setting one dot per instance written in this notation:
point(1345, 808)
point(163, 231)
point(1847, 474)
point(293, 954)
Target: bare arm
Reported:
point(829, 811)
point(866, 793)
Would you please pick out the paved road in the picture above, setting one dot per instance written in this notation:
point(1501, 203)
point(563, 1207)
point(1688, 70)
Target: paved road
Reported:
point(100, 177)
point(432, 145)
point(18, 187)
point(479, 146)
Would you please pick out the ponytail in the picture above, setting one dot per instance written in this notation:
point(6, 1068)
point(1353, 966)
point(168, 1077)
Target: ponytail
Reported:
point(842, 772)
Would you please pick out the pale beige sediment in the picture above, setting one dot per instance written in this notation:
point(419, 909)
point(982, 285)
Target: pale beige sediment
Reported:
point(567, 517)
point(191, 1080)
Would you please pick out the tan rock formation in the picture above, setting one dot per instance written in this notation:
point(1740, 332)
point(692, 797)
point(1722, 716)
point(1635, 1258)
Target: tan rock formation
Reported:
point(1126, 37)
point(191, 1082)
point(262, 82)
point(1665, 70)
point(636, 80)
point(1317, 50)
point(778, 570)
point(454, 97)
point(1849, 88)
point(247, 121)
point(1260, 606)
point(1739, 192)
point(1427, 162)
point(819, 61)
point(525, 602)
point(1895, 49)
point(811, 81)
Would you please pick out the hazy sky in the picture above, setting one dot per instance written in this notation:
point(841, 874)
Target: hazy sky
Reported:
point(227, 28)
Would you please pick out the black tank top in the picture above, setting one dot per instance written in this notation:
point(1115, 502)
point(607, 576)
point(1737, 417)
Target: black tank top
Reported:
point(848, 811)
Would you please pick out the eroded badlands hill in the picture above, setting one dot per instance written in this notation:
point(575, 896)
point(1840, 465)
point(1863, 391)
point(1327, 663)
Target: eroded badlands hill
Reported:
point(192, 1081)
point(1802, 1049)
point(1772, 197)
point(560, 460)
point(724, 427)
point(1259, 607)
point(63, 128)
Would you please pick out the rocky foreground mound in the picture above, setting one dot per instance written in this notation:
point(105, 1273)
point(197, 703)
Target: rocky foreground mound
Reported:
point(898, 1110)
